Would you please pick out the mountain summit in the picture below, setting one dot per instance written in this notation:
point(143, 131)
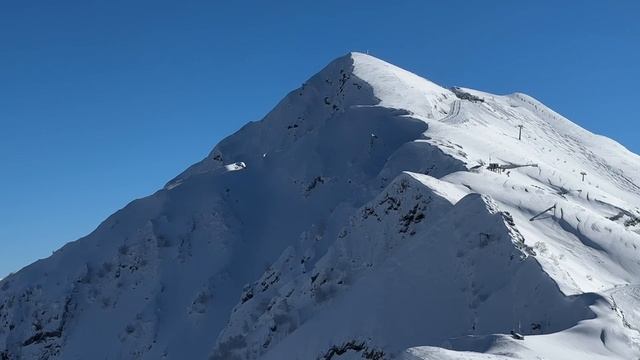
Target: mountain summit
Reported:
point(372, 214)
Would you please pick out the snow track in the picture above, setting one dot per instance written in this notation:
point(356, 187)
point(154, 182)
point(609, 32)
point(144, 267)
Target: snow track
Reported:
point(453, 112)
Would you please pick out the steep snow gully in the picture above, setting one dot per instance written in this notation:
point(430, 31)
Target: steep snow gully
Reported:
point(372, 214)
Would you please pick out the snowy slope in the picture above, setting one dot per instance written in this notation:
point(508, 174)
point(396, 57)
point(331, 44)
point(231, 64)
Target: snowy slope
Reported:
point(361, 218)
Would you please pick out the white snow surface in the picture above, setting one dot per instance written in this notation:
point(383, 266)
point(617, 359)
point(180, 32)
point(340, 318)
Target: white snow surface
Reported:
point(360, 219)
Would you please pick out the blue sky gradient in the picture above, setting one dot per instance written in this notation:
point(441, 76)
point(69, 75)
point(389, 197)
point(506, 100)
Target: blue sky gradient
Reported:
point(104, 101)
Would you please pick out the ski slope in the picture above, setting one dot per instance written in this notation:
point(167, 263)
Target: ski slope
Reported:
point(372, 214)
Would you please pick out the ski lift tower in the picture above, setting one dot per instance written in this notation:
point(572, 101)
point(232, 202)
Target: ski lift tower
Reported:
point(583, 175)
point(520, 132)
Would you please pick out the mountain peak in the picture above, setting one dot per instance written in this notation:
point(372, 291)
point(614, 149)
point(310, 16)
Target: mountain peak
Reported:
point(401, 89)
point(371, 210)
point(354, 80)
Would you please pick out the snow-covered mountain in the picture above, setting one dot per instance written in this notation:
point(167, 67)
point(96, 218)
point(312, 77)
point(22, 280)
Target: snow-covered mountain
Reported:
point(372, 214)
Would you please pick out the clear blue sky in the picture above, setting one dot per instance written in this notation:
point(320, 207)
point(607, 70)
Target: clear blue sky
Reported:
point(104, 101)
